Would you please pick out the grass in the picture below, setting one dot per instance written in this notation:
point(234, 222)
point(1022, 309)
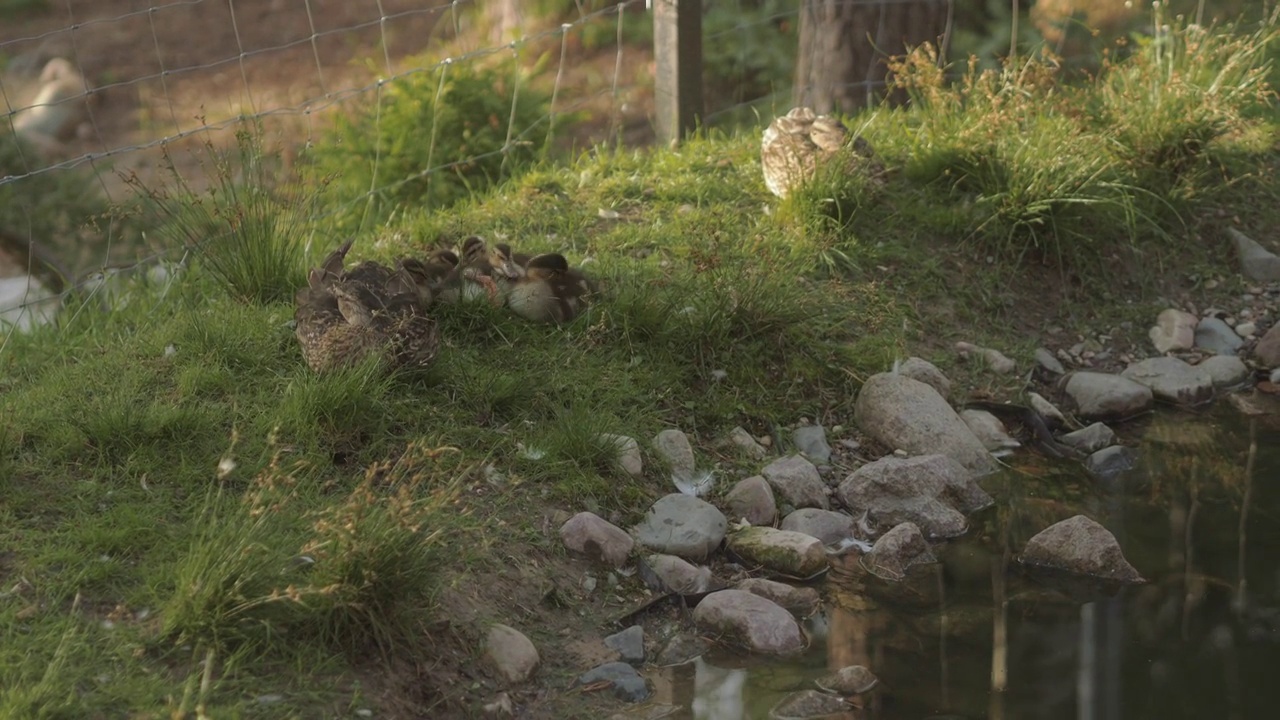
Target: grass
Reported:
point(194, 521)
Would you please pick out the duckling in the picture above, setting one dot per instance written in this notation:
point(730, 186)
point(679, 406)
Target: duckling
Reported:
point(480, 268)
point(550, 291)
point(795, 144)
point(345, 316)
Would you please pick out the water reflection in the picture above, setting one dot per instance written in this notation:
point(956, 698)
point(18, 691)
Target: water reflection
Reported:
point(975, 637)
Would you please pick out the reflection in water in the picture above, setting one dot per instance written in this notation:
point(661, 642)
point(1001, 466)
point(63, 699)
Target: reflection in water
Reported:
point(975, 637)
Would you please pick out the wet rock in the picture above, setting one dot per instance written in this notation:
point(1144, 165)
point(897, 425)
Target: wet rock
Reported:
point(931, 491)
point(1107, 464)
point(682, 525)
point(848, 680)
point(989, 430)
point(1216, 336)
point(668, 573)
point(673, 447)
point(629, 643)
point(598, 539)
point(680, 650)
point(1099, 396)
point(1225, 371)
point(828, 526)
point(756, 623)
point(797, 482)
point(742, 440)
point(1045, 359)
point(897, 551)
point(511, 654)
point(811, 441)
point(994, 359)
point(799, 601)
point(628, 685)
point(1174, 330)
point(1172, 380)
point(910, 415)
point(1081, 546)
point(1089, 439)
point(628, 453)
point(791, 553)
point(752, 500)
point(1053, 417)
point(1256, 262)
point(1267, 351)
point(809, 705)
point(927, 373)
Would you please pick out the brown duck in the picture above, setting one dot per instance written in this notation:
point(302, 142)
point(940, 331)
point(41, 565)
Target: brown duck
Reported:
point(549, 290)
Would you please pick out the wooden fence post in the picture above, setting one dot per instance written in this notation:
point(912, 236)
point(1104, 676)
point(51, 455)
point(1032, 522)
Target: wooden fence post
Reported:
point(677, 50)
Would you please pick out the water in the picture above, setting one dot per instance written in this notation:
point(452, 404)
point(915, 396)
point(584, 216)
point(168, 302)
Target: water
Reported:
point(1201, 639)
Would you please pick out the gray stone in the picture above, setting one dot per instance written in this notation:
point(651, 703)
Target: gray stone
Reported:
point(909, 415)
point(994, 359)
point(797, 482)
point(1081, 546)
point(752, 500)
point(668, 573)
point(811, 441)
point(790, 553)
point(1171, 379)
point(809, 705)
point(1256, 262)
point(673, 447)
point(1106, 464)
point(680, 650)
point(758, 624)
point(897, 551)
point(989, 430)
point(745, 442)
point(848, 680)
point(1099, 396)
point(598, 539)
point(1225, 371)
point(931, 491)
point(511, 654)
point(927, 373)
point(1175, 330)
point(1053, 417)
point(1216, 336)
point(1090, 439)
point(1267, 351)
point(629, 643)
point(828, 526)
point(627, 684)
point(800, 601)
point(628, 453)
point(682, 525)
point(1045, 359)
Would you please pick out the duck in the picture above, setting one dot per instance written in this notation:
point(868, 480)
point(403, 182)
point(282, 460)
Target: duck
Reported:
point(482, 269)
point(429, 275)
point(549, 290)
point(343, 317)
point(796, 144)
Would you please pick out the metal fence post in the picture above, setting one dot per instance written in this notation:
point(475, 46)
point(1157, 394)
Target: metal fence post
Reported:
point(677, 50)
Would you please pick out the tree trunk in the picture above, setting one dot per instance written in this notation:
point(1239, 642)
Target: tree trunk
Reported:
point(843, 45)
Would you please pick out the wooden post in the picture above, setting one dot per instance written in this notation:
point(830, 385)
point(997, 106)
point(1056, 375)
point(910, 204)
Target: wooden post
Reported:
point(677, 50)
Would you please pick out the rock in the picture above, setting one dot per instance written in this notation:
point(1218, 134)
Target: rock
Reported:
point(629, 643)
point(910, 415)
point(1099, 396)
point(628, 685)
point(790, 553)
point(1171, 379)
point(628, 453)
point(1081, 546)
point(927, 373)
point(1045, 359)
point(931, 491)
point(682, 525)
point(809, 705)
point(742, 440)
point(511, 654)
point(1174, 330)
point(989, 430)
point(752, 500)
point(1216, 336)
point(758, 624)
point(599, 540)
point(1267, 351)
point(811, 441)
point(673, 447)
point(1246, 330)
point(897, 551)
point(1090, 439)
point(499, 706)
point(799, 601)
point(797, 482)
point(848, 680)
point(1225, 371)
point(1256, 263)
point(668, 573)
point(1053, 417)
point(650, 711)
point(829, 526)
point(994, 359)
point(1106, 464)
point(680, 650)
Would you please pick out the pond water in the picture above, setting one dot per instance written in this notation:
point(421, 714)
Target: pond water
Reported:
point(1201, 639)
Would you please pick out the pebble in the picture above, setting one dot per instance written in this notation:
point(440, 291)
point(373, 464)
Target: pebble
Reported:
point(1246, 329)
